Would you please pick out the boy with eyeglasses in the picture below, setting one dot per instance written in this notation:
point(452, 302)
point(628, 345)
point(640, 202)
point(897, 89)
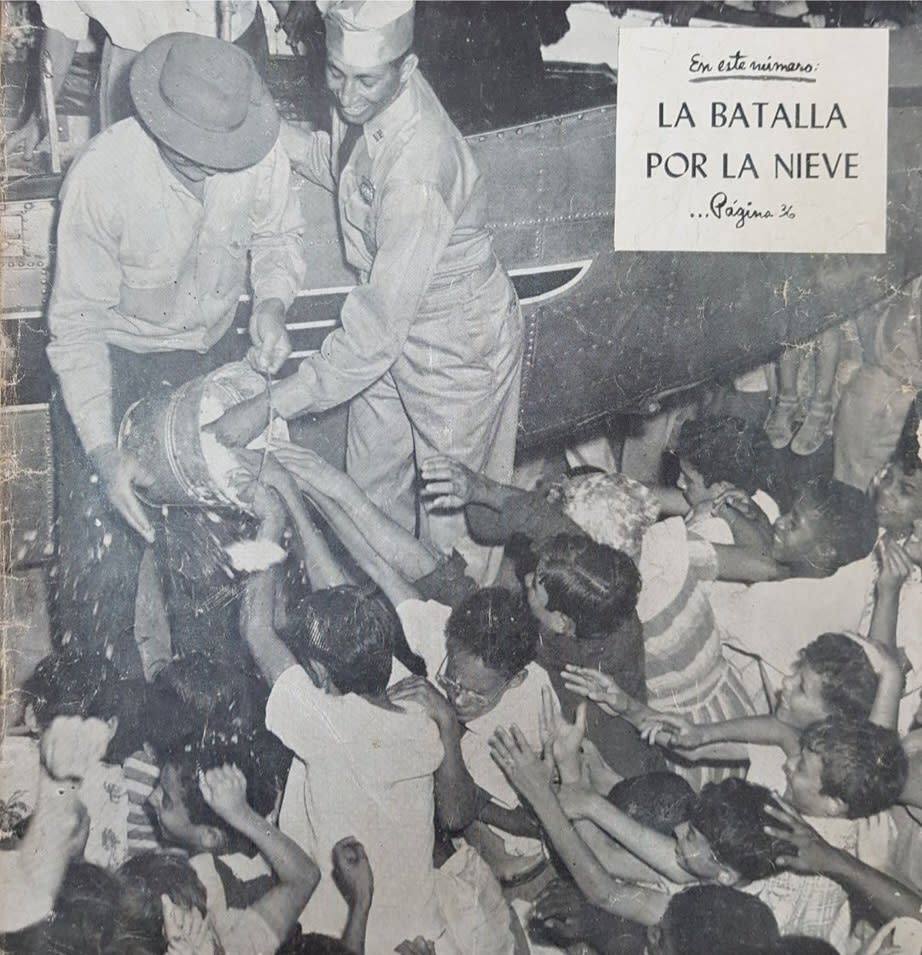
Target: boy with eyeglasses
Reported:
point(483, 657)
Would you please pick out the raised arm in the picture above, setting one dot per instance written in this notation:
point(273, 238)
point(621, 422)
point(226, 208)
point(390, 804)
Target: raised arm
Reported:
point(895, 567)
point(650, 847)
point(224, 789)
point(494, 512)
point(890, 684)
point(531, 776)
point(374, 541)
point(323, 569)
point(354, 878)
point(257, 615)
point(814, 856)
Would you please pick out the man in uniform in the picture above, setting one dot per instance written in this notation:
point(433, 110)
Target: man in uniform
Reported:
point(158, 216)
point(430, 348)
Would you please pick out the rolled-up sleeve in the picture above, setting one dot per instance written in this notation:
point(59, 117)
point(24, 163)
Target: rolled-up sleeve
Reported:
point(277, 245)
point(86, 289)
point(414, 227)
point(310, 153)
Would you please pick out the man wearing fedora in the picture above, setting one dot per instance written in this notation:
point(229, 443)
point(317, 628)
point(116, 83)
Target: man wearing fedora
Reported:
point(430, 349)
point(163, 217)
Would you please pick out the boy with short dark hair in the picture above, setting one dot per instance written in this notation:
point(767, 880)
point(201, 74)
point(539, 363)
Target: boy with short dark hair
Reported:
point(707, 919)
point(834, 676)
point(725, 840)
point(826, 541)
point(251, 930)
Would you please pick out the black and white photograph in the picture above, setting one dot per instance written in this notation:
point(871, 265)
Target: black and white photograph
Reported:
point(460, 477)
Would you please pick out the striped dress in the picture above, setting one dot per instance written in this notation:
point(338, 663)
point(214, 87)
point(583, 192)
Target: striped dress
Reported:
point(686, 670)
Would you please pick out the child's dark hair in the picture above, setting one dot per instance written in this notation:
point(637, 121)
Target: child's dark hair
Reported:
point(709, 919)
point(259, 755)
point(864, 765)
point(354, 635)
point(87, 684)
point(907, 455)
point(724, 448)
point(849, 517)
point(84, 920)
point(660, 801)
point(800, 945)
point(594, 585)
point(731, 816)
point(213, 691)
point(849, 680)
point(142, 881)
point(497, 627)
point(70, 683)
point(314, 944)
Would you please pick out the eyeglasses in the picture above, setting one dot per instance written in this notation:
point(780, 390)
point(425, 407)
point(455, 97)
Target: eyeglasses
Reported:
point(455, 690)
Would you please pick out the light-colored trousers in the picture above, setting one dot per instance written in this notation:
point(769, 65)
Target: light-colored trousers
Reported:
point(454, 391)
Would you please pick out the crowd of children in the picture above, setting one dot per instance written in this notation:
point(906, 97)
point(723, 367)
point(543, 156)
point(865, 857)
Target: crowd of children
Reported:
point(688, 723)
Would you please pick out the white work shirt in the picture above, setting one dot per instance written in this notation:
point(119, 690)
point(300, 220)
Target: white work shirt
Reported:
point(363, 771)
point(133, 25)
point(145, 265)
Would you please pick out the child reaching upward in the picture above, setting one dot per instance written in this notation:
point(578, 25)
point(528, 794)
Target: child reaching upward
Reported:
point(844, 770)
point(254, 930)
point(364, 765)
point(683, 662)
point(835, 676)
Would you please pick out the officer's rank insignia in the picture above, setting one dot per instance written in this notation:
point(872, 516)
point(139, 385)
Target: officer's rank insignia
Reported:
point(367, 190)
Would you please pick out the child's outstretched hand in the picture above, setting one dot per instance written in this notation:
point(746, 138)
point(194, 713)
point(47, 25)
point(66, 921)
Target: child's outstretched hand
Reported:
point(529, 773)
point(894, 563)
point(308, 468)
point(598, 687)
point(352, 871)
point(812, 853)
point(667, 729)
point(224, 788)
point(449, 485)
point(559, 738)
point(733, 498)
point(270, 511)
point(187, 931)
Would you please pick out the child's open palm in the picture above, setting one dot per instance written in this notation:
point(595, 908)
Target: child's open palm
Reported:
point(224, 788)
point(598, 687)
point(187, 931)
point(449, 485)
point(561, 739)
point(812, 854)
point(529, 773)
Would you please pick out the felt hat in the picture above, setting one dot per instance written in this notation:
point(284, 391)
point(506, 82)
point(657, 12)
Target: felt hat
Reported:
point(367, 33)
point(204, 98)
